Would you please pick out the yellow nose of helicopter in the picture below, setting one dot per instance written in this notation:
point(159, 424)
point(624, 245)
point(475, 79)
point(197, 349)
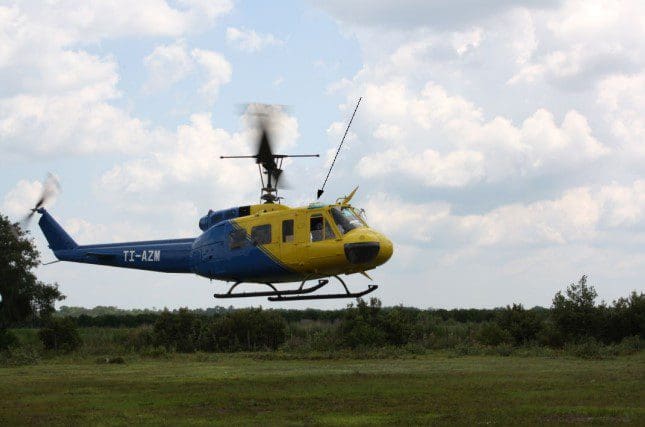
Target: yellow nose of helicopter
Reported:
point(386, 250)
point(365, 246)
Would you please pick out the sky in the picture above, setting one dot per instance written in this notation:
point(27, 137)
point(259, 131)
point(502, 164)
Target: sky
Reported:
point(500, 145)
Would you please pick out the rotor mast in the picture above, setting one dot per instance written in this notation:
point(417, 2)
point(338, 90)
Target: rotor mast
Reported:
point(272, 170)
point(269, 164)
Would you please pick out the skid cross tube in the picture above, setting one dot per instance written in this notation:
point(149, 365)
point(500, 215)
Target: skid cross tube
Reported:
point(347, 294)
point(275, 292)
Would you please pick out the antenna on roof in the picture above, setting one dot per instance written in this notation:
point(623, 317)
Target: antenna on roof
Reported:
point(322, 189)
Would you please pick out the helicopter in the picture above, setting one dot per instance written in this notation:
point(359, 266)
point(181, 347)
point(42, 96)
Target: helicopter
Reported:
point(268, 243)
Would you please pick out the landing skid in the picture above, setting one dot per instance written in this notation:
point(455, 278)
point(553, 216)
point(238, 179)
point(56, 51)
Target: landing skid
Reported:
point(296, 294)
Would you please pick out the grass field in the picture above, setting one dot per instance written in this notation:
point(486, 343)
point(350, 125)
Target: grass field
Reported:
point(241, 389)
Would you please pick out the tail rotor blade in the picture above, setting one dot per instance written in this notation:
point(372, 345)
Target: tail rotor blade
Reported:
point(51, 187)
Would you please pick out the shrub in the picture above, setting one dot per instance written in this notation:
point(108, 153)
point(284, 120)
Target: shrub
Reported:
point(504, 350)
point(60, 334)
point(575, 314)
point(363, 325)
point(589, 348)
point(492, 334)
point(7, 339)
point(140, 337)
point(625, 318)
point(245, 330)
point(18, 356)
point(178, 331)
point(629, 345)
point(522, 325)
point(550, 335)
point(155, 352)
point(399, 325)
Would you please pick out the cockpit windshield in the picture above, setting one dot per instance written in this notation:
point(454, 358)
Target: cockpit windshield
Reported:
point(345, 219)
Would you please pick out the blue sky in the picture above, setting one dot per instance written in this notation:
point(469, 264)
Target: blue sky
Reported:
point(499, 146)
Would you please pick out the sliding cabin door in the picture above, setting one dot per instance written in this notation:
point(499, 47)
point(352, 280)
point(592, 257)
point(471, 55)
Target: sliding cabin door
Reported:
point(322, 247)
point(292, 233)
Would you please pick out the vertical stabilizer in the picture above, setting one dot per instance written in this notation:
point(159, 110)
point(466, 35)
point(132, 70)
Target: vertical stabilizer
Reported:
point(57, 238)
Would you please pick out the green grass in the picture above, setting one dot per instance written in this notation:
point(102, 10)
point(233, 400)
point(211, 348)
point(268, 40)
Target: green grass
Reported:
point(240, 389)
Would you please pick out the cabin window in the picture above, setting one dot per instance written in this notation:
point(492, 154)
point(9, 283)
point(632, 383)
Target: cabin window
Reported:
point(236, 239)
point(287, 231)
point(316, 228)
point(345, 219)
point(320, 229)
point(261, 234)
point(329, 232)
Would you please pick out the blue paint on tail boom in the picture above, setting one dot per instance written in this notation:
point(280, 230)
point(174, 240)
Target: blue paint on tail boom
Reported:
point(169, 256)
point(57, 238)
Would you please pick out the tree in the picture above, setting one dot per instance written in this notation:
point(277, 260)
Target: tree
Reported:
point(625, 318)
point(23, 297)
point(575, 314)
point(522, 325)
point(60, 334)
point(362, 326)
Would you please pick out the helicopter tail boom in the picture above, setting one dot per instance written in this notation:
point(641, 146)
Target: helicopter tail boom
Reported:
point(170, 256)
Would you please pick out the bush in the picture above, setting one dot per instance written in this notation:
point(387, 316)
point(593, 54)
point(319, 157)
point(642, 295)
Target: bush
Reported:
point(155, 352)
point(522, 325)
point(575, 314)
point(492, 334)
point(629, 345)
point(363, 326)
point(550, 335)
point(625, 318)
point(244, 330)
point(60, 334)
point(140, 337)
point(179, 332)
point(7, 339)
point(18, 356)
point(589, 348)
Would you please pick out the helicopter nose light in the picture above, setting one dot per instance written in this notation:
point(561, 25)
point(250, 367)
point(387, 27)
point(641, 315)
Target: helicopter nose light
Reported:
point(361, 253)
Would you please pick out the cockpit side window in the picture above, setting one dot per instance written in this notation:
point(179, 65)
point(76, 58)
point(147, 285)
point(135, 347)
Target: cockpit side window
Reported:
point(316, 228)
point(237, 239)
point(261, 234)
point(329, 232)
point(320, 229)
point(345, 219)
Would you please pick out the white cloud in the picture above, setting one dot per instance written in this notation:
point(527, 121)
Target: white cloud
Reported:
point(89, 21)
point(78, 124)
point(190, 169)
point(217, 71)
point(167, 64)
point(60, 97)
point(585, 41)
point(580, 214)
point(467, 40)
point(448, 142)
point(622, 97)
point(249, 40)
point(392, 14)
point(21, 198)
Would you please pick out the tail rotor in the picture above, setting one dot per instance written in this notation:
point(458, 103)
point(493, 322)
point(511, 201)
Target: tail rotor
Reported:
point(51, 188)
